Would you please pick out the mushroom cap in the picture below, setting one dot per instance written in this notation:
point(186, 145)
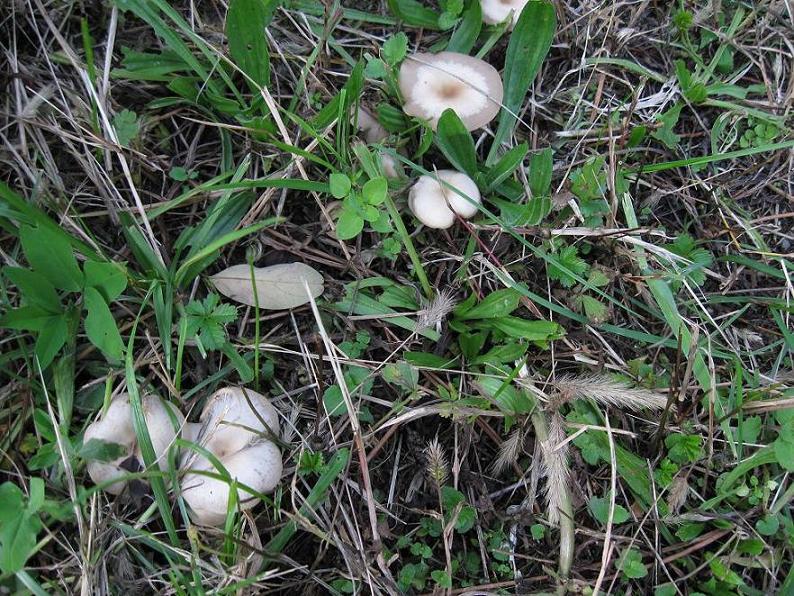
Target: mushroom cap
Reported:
point(235, 426)
point(496, 11)
point(431, 83)
point(391, 169)
point(233, 418)
point(369, 125)
point(435, 205)
point(116, 426)
point(258, 466)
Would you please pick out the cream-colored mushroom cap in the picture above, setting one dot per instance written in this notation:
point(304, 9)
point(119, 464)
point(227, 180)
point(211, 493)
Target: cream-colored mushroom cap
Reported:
point(369, 125)
point(236, 427)
point(116, 426)
point(375, 133)
point(435, 204)
point(431, 83)
point(496, 11)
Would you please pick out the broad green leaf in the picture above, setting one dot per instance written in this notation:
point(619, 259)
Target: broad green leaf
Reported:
point(109, 278)
point(27, 318)
point(506, 165)
point(540, 331)
point(349, 224)
point(99, 450)
point(50, 340)
point(50, 255)
point(340, 185)
point(537, 210)
point(540, 169)
point(333, 401)
point(456, 143)
point(529, 43)
point(245, 31)
point(100, 326)
point(414, 13)
point(507, 397)
point(599, 507)
point(18, 529)
point(596, 311)
point(35, 288)
point(465, 35)
point(496, 304)
point(374, 191)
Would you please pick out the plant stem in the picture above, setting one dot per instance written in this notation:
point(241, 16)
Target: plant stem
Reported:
point(409, 246)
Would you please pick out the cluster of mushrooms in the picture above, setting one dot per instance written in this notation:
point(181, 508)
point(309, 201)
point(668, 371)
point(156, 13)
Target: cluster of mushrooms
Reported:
point(431, 84)
point(238, 428)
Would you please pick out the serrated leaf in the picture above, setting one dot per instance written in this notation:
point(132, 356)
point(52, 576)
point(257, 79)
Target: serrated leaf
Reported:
point(569, 262)
point(668, 121)
point(595, 310)
point(277, 287)
point(100, 326)
point(127, 127)
point(395, 48)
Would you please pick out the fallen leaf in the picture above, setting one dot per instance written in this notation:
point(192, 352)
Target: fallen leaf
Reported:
point(277, 287)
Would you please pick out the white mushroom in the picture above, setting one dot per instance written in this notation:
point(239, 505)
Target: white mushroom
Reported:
point(375, 133)
point(431, 83)
point(496, 11)
point(116, 426)
point(435, 204)
point(237, 426)
point(369, 125)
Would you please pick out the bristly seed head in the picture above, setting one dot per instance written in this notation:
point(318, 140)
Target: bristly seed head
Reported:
point(555, 466)
point(436, 462)
point(607, 392)
point(435, 312)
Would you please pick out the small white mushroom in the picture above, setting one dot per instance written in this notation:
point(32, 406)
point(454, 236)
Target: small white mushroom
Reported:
point(236, 427)
point(375, 133)
point(496, 11)
point(431, 83)
point(369, 125)
point(435, 204)
point(116, 426)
